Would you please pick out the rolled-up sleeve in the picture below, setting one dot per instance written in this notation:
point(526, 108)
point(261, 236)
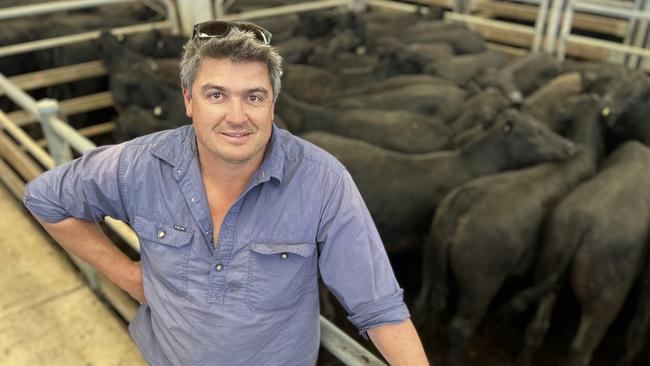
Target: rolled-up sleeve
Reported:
point(87, 188)
point(353, 262)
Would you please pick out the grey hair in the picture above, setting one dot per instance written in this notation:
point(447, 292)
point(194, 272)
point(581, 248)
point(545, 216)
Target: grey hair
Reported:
point(238, 46)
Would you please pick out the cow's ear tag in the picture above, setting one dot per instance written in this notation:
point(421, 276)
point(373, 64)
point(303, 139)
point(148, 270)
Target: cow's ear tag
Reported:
point(507, 127)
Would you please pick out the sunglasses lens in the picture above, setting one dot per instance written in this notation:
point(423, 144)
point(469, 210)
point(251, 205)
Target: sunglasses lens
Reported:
point(216, 28)
point(213, 28)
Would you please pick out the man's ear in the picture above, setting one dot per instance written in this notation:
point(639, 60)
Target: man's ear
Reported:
point(188, 103)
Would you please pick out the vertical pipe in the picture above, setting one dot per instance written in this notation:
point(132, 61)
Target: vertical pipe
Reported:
point(539, 25)
point(60, 151)
point(219, 10)
point(552, 29)
point(633, 33)
point(566, 29)
point(641, 37)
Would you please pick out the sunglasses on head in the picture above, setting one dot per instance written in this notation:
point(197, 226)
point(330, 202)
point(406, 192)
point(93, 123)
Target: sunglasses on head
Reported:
point(219, 28)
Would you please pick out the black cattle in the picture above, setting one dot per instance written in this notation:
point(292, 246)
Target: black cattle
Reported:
point(133, 80)
point(155, 43)
point(597, 236)
point(392, 83)
point(483, 108)
point(442, 101)
point(135, 122)
point(310, 83)
point(628, 107)
point(464, 68)
point(487, 230)
point(596, 76)
point(548, 104)
point(392, 130)
point(402, 190)
point(637, 334)
point(296, 50)
point(462, 39)
point(522, 76)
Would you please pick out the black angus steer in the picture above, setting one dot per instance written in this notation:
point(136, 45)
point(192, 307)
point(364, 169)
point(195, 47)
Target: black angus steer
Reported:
point(393, 130)
point(628, 106)
point(487, 230)
point(402, 190)
point(440, 100)
point(597, 236)
point(134, 80)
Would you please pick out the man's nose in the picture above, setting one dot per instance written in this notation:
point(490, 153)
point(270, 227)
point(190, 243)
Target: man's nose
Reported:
point(236, 112)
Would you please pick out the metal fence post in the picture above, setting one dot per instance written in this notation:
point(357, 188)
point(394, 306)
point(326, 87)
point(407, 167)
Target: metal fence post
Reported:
point(357, 6)
point(60, 151)
point(58, 147)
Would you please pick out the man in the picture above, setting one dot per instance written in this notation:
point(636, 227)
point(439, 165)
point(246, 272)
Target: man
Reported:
point(235, 218)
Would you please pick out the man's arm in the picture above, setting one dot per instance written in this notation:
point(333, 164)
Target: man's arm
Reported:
point(399, 344)
point(87, 241)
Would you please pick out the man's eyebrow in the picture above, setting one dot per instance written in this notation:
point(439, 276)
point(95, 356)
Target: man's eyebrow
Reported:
point(220, 88)
point(207, 87)
point(258, 89)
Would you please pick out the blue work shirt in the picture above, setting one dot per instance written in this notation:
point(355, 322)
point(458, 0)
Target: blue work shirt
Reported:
point(251, 298)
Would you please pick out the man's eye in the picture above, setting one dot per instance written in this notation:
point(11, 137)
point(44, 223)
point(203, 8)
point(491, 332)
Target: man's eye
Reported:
point(215, 95)
point(254, 98)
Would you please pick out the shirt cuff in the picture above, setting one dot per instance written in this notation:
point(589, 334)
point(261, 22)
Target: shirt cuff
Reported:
point(43, 210)
point(386, 312)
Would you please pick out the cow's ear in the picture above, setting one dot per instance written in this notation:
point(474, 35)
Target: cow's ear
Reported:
point(507, 127)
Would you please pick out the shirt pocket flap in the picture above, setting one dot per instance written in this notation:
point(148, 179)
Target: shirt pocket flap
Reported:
point(302, 249)
point(162, 233)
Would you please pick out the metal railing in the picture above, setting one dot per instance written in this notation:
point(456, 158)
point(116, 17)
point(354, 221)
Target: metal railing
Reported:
point(634, 43)
point(57, 6)
point(554, 20)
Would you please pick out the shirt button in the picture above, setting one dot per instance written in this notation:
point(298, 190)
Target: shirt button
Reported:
point(284, 255)
point(194, 199)
point(219, 267)
point(161, 234)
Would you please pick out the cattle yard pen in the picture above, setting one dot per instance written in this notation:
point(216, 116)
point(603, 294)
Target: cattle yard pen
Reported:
point(22, 158)
point(519, 26)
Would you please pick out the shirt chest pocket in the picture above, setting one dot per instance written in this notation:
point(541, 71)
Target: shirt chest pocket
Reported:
point(165, 254)
point(279, 274)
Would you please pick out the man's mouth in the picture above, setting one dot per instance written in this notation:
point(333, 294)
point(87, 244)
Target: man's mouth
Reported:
point(236, 138)
point(236, 134)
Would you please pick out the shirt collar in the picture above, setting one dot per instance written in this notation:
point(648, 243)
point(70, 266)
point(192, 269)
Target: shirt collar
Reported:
point(180, 149)
point(273, 163)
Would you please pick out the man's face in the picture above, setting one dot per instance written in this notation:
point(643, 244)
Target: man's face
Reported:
point(231, 109)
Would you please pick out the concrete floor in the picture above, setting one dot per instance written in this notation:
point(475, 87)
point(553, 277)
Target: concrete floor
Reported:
point(47, 314)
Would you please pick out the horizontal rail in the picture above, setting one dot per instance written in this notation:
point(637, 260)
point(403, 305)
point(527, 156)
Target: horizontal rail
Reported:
point(18, 96)
point(81, 37)
point(495, 24)
point(610, 11)
point(59, 75)
point(392, 5)
point(11, 180)
point(345, 348)
point(30, 145)
point(38, 9)
point(584, 21)
point(70, 106)
point(285, 9)
point(610, 46)
point(90, 131)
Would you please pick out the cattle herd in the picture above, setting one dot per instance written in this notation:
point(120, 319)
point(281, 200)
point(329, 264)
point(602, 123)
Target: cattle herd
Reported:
point(480, 170)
